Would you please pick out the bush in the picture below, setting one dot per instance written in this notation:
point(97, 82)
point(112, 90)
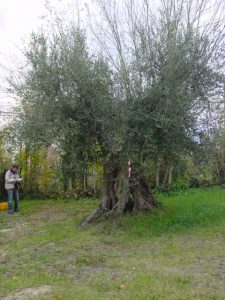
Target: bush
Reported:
point(180, 184)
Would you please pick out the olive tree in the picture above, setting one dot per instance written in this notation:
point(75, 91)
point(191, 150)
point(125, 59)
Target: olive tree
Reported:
point(139, 98)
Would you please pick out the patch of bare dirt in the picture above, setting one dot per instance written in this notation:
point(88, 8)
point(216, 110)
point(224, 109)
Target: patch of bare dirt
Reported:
point(8, 234)
point(18, 226)
point(49, 215)
point(7, 230)
point(87, 270)
point(30, 293)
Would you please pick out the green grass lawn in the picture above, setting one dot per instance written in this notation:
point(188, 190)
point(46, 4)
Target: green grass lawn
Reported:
point(177, 252)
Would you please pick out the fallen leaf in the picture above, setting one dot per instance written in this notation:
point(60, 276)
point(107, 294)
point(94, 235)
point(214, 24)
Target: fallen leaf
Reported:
point(121, 286)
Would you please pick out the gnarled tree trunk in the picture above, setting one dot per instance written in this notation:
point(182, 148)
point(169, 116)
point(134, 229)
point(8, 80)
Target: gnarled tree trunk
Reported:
point(122, 192)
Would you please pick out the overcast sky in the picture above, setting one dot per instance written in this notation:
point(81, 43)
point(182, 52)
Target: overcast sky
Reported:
point(17, 19)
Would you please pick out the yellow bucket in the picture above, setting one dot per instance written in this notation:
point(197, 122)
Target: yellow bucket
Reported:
point(3, 206)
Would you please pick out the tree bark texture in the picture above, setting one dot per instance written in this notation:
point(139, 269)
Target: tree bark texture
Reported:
point(122, 193)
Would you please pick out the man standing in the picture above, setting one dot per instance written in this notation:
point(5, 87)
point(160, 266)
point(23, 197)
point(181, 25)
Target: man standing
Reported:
point(12, 181)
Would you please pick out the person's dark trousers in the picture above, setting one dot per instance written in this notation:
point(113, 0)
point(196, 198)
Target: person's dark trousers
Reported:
point(13, 194)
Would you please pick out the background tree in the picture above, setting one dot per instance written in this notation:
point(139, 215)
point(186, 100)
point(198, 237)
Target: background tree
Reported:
point(5, 161)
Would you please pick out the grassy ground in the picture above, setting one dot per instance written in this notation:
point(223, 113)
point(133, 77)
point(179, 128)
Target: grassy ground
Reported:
point(176, 253)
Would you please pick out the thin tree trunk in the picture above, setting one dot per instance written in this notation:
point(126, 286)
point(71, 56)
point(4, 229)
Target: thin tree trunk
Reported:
point(85, 184)
point(170, 176)
point(166, 175)
point(157, 175)
point(94, 179)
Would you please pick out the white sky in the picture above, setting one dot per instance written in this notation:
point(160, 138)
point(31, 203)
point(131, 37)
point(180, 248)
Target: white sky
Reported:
point(17, 19)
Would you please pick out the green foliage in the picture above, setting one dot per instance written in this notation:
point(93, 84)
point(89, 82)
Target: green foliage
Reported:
point(5, 162)
point(143, 107)
point(40, 172)
point(179, 185)
point(66, 99)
